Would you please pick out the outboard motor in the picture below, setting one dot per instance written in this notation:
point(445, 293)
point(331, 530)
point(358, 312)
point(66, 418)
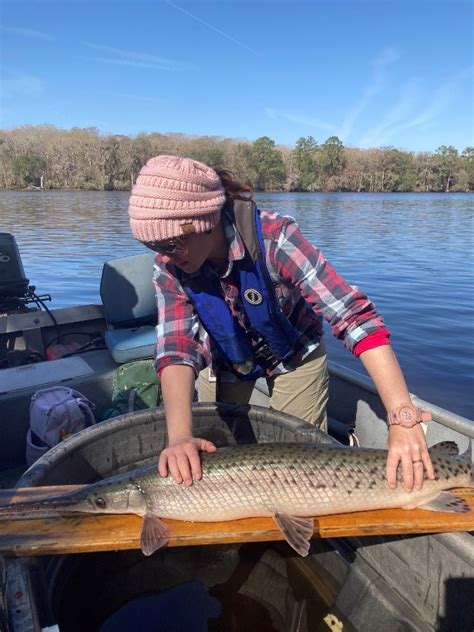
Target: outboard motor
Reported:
point(17, 296)
point(15, 291)
point(13, 283)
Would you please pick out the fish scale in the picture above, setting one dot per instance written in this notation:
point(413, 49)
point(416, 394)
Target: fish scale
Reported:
point(294, 478)
point(289, 482)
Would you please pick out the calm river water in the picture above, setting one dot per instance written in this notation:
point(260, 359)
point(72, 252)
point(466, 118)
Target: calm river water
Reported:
point(411, 253)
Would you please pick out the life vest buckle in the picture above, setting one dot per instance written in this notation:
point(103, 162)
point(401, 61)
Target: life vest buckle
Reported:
point(244, 368)
point(264, 355)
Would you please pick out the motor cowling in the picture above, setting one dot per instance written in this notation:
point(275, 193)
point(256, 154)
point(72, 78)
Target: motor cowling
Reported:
point(13, 283)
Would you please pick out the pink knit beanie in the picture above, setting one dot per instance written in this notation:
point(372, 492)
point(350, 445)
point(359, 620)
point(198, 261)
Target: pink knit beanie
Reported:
point(174, 196)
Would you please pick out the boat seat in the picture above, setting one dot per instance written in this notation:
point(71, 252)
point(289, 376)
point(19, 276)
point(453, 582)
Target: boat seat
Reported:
point(128, 297)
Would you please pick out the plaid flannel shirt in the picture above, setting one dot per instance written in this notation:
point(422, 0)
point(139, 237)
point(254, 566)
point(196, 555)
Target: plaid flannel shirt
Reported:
point(306, 285)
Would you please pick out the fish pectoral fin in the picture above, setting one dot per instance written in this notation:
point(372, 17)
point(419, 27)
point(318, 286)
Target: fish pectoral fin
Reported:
point(154, 534)
point(297, 531)
point(447, 502)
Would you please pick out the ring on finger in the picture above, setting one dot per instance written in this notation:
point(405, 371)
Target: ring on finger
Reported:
point(417, 461)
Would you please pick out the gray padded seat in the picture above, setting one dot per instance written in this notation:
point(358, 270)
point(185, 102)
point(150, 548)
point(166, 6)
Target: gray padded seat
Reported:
point(128, 297)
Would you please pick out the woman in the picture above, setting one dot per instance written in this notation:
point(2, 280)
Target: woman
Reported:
point(243, 293)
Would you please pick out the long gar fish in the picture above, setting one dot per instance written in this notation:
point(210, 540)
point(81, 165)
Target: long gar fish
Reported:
point(290, 482)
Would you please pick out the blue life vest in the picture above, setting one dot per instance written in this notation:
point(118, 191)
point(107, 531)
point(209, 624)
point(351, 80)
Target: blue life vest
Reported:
point(274, 337)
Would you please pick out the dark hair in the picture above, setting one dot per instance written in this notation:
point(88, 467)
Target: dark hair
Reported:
point(234, 189)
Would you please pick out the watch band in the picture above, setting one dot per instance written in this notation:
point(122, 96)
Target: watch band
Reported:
point(407, 415)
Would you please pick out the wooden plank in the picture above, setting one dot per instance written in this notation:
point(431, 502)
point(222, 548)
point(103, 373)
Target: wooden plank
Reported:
point(89, 533)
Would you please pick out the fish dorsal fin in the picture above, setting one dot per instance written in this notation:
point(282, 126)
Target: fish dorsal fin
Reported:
point(444, 448)
point(297, 531)
point(154, 534)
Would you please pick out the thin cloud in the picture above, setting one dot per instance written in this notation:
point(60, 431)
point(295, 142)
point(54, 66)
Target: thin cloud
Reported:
point(393, 125)
point(138, 60)
point(25, 32)
point(402, 109)
point(376, 85)
point(299, 119)
point(22, 85)
point(136, 97)
point(343, 131)
point(210, 26)
point(129, 62)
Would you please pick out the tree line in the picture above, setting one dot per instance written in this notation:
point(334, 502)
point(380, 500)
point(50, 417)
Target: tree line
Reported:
point(47, 157)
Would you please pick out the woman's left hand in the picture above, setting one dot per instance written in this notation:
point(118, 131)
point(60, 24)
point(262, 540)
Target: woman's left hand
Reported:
point(408, 447)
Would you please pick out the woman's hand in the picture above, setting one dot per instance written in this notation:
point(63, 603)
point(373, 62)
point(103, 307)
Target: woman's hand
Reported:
point(408, 446)
point(405, 445)
point(182, 459)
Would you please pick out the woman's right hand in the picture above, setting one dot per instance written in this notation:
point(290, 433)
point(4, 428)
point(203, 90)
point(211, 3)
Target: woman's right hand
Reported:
point(181, 458)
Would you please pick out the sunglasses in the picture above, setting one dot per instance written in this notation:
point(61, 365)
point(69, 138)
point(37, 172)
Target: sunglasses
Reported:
point(174, 246)
point(167, 247)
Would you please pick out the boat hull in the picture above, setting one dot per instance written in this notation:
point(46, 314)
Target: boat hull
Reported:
point(422, 582)
point(370, 583)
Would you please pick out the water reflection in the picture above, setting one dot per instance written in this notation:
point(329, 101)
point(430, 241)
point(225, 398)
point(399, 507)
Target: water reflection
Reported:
point(411, 253)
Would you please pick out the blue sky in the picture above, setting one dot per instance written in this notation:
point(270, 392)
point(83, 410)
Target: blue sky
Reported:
point(373, 73)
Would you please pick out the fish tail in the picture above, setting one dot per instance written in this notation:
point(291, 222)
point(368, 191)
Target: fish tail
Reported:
point(468, 456)
point(466, 460)
point(448, 452)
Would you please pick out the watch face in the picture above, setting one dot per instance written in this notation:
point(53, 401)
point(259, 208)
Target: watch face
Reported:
point(407, 416)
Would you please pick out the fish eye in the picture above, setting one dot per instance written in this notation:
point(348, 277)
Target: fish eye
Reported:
point(100, 503)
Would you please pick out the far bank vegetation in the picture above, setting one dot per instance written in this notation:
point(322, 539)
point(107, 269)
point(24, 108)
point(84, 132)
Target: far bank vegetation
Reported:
point(51, 158)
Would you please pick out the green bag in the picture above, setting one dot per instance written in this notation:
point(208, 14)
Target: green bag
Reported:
point(135, 387)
